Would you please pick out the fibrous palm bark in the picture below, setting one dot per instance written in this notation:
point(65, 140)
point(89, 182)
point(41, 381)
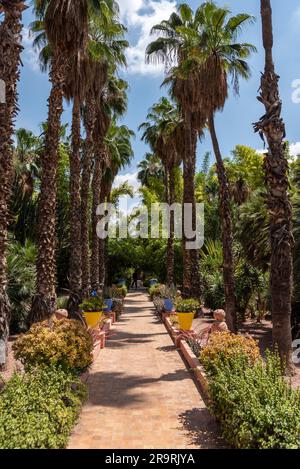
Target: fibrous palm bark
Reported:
point(44, 302)
point(90, 120)
point(75, 211)
point(96, 187)
point(192, 285)
point(170, 247)
point(272, 128)
point(225, 216)
point(10, 49)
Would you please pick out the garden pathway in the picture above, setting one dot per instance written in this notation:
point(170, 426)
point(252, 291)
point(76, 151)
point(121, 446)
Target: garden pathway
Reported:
point(140, 393)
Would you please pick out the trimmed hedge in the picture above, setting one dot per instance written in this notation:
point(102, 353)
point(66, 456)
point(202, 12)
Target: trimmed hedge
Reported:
point(39, 409)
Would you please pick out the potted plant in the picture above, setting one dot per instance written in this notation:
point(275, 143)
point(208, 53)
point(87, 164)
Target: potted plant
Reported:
point(168, 294)
point(108, 299)
point(92, 309)
point(185, 311)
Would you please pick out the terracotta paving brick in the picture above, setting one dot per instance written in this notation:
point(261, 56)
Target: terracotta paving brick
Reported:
point(140, 393)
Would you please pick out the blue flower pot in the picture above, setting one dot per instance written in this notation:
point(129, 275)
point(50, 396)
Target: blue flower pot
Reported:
point(109, 303)
point(168, 305)
point(152, 282)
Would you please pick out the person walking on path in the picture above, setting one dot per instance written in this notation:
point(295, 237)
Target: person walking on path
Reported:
point(134, 283)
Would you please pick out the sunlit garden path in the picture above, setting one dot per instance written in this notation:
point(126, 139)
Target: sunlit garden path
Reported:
point(140, 393)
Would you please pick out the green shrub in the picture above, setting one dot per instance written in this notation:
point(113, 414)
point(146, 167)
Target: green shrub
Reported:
point(186, 306)
point(224, 347)
point(118, 292)
point(21, 283)
point(65, 343)
point(156, 290)
point(39, 409)
point(93, 304)
point(255, 406)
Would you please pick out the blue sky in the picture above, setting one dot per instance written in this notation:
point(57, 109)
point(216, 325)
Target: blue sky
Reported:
point(233, 125)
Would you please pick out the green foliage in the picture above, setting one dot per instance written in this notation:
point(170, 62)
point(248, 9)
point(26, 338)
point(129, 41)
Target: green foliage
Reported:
point(38, 409)
point(247, 164)
point(186, 306)
point(255, 406)
point(63, 343)
point(21, 282)
point(251, 283)
point(92, 304)
point(224, 347)
point(156, 290)
point(253, 230)
point(119, 291)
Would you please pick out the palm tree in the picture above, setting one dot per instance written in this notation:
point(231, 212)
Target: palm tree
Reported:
point(119, 151)
point(163, 132)
point(271, 127)
point(75, 90)
point(66, 32)
point(150, 167)
point(99, 69)
point(112, 104)
point(171, 49)
point(26, 173)
point(222, 55)
point(106, 45)
point(10, 49)
point(205, 46)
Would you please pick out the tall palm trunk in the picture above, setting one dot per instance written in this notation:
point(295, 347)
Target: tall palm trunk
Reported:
point(96, 184)
point(191, 274)
point(44, 302)
point(102, 274)
point(106, 241)
point(271, 126)
point(10, 49)
point(85, 191)
point(75, 210)
point(170, 248)
point(225, 215)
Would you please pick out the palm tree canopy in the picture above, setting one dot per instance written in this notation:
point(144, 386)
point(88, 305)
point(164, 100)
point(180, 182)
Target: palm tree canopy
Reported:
point(150, 167)
point(160, 131)
point(66, 21)
point(7, 5)
point(199, 50)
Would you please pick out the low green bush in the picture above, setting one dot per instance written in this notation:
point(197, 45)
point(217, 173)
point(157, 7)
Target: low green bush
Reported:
point(156, 291)
point(93, 304)
point(255, 406)
point(64, 343)
point(223, 347)
point(186, 306)
point(39, 409)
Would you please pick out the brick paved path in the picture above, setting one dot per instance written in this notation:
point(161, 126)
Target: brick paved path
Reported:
point(140, 393)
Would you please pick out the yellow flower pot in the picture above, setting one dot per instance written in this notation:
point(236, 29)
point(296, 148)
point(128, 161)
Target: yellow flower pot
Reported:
point(185, 320)
point(93, 319)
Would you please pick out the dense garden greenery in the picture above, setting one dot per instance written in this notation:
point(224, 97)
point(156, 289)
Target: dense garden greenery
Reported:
point(51, 185)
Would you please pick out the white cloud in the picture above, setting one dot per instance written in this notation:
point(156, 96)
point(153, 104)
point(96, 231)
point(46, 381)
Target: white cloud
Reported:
point(294, 149)
point(30, 56)
point(126, 204)
point(139, 16)
point(131, 178)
